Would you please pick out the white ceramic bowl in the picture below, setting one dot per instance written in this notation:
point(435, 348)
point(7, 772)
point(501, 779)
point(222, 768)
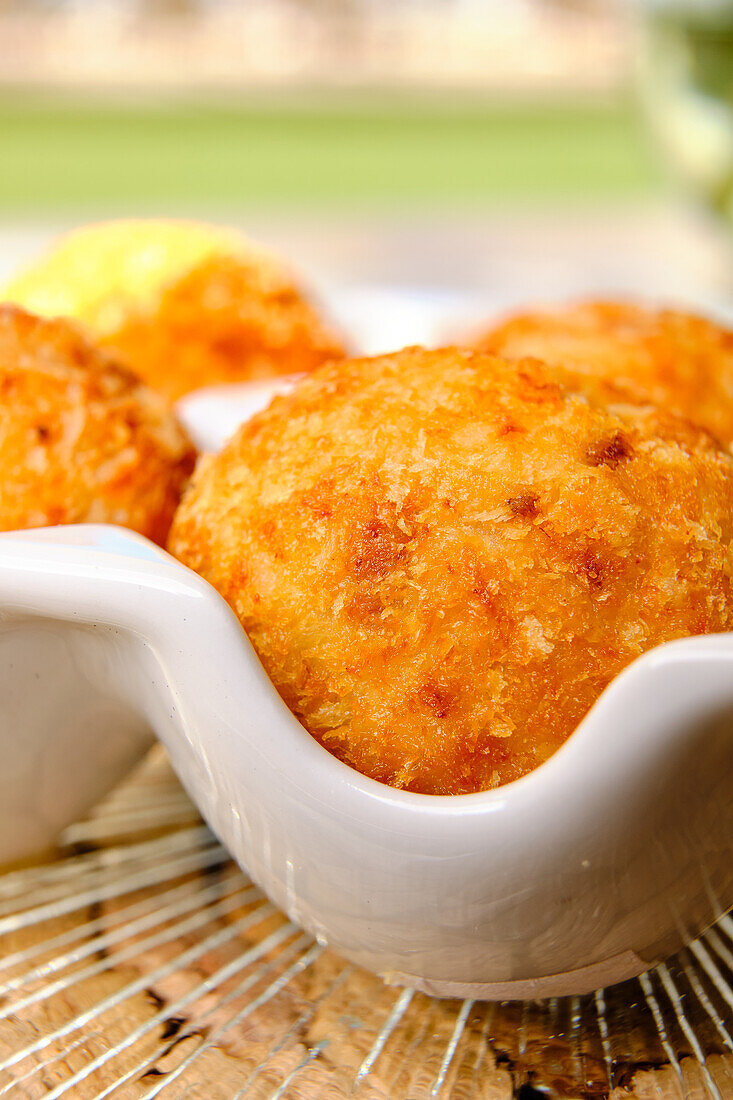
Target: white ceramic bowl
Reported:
point(601, 862)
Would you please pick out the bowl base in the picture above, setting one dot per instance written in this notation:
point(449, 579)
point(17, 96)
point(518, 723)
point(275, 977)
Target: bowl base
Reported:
point(572, 983)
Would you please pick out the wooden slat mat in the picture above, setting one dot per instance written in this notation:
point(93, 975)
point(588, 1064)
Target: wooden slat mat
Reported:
point(141, 963)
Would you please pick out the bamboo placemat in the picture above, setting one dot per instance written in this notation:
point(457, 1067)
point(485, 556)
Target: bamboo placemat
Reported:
point(140, 962)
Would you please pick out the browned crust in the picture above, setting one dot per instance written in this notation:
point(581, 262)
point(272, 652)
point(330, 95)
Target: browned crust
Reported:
point(81, 439)
point(441, 600)
point(230, 319)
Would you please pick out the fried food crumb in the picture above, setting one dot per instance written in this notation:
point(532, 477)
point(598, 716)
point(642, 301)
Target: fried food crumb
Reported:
point(440, 601)
point(81, 439)
point(625, 352)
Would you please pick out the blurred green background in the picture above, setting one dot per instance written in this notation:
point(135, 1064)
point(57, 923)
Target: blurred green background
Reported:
point(495, 146)
point(301, 102)
point(372, 149)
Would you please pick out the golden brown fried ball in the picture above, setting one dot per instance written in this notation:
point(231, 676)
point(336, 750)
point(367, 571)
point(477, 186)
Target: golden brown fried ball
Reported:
point(184, 304)
point(443, 558)
point(81, 439)
point(617, 350)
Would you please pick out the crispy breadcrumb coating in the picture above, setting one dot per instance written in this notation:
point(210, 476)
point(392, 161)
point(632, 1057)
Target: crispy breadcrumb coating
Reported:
point(184, 304)
point(674, 360)
point(81, 439)
point(443, 558)
point(224, 321)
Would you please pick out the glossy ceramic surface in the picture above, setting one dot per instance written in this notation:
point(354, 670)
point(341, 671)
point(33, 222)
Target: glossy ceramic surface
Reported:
point(584, 873)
